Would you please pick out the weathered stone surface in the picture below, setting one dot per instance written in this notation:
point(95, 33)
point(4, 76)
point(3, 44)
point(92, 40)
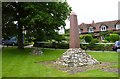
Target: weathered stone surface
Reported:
point(36, 51)
point(74, 31)
point(75, 57)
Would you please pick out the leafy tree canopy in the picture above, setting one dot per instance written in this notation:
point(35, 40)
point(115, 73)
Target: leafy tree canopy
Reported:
point(40, 19)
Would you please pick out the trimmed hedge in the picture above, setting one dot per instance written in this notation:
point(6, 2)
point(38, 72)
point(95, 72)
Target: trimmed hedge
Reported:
point(52, 45)
point(96, 47)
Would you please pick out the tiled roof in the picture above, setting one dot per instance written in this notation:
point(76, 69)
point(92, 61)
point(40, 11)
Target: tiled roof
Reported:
point(109, 24)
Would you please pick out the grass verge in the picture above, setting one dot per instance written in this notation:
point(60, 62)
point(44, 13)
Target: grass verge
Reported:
point(19, 63)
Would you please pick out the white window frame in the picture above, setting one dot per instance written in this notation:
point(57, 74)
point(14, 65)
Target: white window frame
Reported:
point(103, 28)
point(91, 29)
point(117, 26)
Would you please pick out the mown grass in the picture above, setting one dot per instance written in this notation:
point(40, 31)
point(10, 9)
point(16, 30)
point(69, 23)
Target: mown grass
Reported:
point(105, 56)
point(19, 63)
point(95, 73)
point(0, 62)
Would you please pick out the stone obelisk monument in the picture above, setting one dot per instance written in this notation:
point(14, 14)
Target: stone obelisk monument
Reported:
point(75, 56)
point(74, 31)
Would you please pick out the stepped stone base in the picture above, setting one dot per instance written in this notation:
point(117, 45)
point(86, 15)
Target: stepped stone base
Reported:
point(76, 57)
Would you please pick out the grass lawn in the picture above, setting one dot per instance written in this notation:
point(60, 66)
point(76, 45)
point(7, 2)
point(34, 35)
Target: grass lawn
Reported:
point(19, 63)
point(0, 62)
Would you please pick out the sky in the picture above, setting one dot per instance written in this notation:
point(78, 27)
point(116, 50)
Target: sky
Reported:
point(97, 10)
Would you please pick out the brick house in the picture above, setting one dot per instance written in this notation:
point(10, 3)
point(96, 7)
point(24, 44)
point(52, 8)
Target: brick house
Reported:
point(98, 27)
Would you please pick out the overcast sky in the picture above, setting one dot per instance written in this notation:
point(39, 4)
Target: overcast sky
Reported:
point(97, 10)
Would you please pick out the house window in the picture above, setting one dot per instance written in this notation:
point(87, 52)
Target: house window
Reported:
point(91, 29)
point(118, 26)
point(103, 28)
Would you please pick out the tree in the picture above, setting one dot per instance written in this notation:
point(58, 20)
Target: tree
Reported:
point(13, 12)
point(8, 16)
point(114, 37)
point(52, 16)
point(40, 20)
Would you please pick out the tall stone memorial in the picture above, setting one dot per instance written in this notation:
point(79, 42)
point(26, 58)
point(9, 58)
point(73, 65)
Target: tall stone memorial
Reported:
point(75, 56)
point(74, 32)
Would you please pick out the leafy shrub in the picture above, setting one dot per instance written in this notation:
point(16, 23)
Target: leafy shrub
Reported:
point(114, 37)
point(84, 46)
point(98, 47)
point(52, 45)
point(103, 47)
point(92, 43)
point(107, 38)
point(88, 38)
point(105, 41)
point(63, 45)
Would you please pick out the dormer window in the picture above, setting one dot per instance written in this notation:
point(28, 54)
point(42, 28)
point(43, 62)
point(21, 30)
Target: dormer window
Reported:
point(118, 26)
point(91, 29)
point(103, 28)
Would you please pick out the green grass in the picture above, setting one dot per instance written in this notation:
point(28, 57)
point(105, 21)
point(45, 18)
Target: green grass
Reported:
point(105, 56)
point(95, 73)
point(19, 63)
point(0, 62)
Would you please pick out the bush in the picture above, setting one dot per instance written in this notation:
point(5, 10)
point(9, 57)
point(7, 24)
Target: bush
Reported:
point(105, 41)
point(107, 38)
point(114, 37)
point(92, 43)
point(88, 38)
point(55, 45)
point(63, 45)
point(98, 47)
point(102, 47)
point(108, 47)
point(84, 46)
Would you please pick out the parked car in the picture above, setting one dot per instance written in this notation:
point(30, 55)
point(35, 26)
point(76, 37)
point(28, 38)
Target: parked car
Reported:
point(116, 46)
point(10, 41)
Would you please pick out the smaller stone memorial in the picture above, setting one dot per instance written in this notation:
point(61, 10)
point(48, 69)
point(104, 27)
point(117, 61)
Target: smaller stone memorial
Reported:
point(36, 51)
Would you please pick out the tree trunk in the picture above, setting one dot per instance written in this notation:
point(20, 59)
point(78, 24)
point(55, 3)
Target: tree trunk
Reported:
point(20, 37)
point(20, 28)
